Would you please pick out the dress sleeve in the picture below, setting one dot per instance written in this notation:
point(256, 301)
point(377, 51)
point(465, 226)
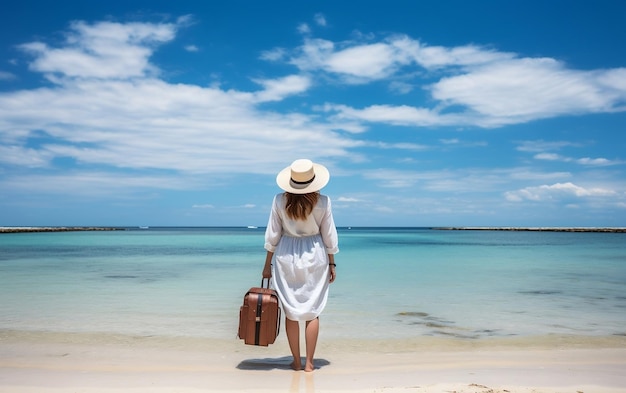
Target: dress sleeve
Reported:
point(329, 231)
point(274, 230)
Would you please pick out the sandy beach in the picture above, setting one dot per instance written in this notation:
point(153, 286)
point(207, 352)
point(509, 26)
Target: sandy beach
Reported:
point(54, 363)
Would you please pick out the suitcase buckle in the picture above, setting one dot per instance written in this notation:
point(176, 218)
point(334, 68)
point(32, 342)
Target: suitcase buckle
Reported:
point(257, 319)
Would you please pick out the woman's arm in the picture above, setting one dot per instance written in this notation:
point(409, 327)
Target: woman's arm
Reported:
point(331, 266)
point(267, 269)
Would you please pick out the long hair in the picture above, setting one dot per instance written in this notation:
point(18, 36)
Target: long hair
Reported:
point(299, 206)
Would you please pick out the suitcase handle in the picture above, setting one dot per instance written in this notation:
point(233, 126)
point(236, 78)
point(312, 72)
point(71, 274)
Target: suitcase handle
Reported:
point(263, 281)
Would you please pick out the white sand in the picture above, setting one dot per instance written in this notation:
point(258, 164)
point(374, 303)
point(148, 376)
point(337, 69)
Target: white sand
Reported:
point(81, 364)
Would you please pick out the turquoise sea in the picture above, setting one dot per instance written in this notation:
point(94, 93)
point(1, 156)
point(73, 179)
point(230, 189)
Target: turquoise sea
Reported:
point(392, 282)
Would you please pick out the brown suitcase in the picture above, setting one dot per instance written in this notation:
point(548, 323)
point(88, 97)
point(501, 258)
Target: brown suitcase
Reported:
point(259, 316)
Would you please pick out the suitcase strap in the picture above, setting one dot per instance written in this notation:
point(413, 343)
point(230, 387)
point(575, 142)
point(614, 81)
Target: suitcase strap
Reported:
point(259, 309)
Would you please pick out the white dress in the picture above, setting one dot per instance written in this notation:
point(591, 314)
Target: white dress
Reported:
point(300, 271)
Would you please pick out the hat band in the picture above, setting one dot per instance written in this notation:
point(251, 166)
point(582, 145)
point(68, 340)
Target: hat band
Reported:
point(302, 183)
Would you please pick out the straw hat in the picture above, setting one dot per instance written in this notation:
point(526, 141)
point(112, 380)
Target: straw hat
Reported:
point(302, 177)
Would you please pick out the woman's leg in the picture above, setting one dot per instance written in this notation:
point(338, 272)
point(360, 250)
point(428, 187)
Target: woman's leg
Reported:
point(311, 333)
point(293, 336)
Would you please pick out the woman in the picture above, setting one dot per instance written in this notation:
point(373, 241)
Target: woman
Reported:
point(301, 240)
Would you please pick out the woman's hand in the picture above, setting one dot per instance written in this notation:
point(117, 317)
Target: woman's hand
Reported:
point(332, 266)
point(267, 271)
point(267, 268)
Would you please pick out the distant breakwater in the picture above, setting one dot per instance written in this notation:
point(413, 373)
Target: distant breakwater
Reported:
point(536, 229)
point(56, 229)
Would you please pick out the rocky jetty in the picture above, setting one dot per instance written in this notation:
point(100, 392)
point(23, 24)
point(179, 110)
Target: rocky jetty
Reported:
point(538, 229)
point(56, 229)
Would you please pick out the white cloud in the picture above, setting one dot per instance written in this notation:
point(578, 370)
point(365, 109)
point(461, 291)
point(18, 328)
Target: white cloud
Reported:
point(373, 61)
point(320, 19)
point(520, 90)
point(582, 161)
point(203, 206)
point(348, 199)
point(456, 142)
point(163, 126)
point(356, 64)
point(106, 108)
point(278, 89)
point(476, 86)
point(542, 146)
point(6, 76)
point(24, 157)
point(595, 161)
point(275, 54)
point(314, 54)
point(543, 150)
point(550, 157)
point(399, 145)
point(614, 80)
point(102, 50)
point(304, 28)
point(401, 87)
point(192, 48)
point(557, 191)
point(396, 115)
point(435, 57)
point(360, 62)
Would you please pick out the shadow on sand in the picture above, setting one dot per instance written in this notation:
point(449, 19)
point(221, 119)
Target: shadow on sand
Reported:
point(282, 363)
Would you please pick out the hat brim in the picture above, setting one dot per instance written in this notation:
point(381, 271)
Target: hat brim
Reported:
point(322, 176)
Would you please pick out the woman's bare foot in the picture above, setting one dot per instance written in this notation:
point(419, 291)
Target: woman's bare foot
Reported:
point(309, 367)
point(296, 365)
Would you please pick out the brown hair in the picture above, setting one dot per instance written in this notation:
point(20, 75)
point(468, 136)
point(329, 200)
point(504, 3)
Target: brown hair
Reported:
point(299, 206)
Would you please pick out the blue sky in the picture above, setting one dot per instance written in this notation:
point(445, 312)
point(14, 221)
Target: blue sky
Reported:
point(427, 113)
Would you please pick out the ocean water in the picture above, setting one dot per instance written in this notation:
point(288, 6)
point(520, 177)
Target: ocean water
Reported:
point(392, 283)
